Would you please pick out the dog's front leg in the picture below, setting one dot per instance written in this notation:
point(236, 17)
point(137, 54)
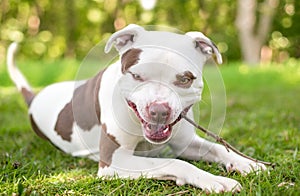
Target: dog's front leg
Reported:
point(212, 152)
point(126, 165)
point(188, 145)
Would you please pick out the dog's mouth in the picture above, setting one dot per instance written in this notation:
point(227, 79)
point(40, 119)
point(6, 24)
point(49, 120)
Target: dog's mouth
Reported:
point(156, 133)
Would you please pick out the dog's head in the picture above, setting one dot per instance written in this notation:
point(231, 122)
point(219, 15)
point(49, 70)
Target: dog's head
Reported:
point(161, 75)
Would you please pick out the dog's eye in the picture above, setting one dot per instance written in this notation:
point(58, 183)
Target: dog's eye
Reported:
point(137, 76)
point(184, 80)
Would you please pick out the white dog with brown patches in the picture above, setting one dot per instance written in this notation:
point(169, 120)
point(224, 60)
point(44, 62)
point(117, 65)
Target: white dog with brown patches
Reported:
point(128, 113)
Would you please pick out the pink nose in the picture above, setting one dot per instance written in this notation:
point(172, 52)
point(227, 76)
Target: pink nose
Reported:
point(159, 112)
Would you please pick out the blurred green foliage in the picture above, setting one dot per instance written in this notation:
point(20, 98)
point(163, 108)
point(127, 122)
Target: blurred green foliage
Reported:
point(70, 28)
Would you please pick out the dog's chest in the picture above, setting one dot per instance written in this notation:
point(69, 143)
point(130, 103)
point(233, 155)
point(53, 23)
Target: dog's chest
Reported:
point(147, 149)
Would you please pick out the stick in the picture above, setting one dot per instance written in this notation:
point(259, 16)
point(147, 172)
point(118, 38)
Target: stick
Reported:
point(225, 144)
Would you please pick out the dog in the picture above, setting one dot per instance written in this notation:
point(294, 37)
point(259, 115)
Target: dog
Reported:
point(126, 114)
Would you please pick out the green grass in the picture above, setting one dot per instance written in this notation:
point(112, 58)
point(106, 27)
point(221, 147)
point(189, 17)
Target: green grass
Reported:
point(262, 120)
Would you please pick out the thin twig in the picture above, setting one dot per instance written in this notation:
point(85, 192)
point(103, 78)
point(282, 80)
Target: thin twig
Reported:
point(225, 144)
point(116, 189)
point(179, 193)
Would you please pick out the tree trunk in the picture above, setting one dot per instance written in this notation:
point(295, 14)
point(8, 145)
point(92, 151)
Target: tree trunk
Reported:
point(71, 29)
point(252, 31)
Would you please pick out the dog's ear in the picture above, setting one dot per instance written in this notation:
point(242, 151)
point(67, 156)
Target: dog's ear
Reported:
point(205, 45)
point(124, 38)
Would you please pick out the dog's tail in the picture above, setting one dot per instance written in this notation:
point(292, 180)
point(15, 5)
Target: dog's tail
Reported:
point(16, 76)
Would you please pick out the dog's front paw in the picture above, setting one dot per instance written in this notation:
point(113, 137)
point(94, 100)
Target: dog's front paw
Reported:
point(244, 166)
point(213, 184)
point(221, 184)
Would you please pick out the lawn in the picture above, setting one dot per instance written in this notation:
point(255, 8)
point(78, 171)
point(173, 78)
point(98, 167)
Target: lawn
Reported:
point(262, 120)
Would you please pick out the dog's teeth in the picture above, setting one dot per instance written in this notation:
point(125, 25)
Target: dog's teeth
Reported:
point(166, 130)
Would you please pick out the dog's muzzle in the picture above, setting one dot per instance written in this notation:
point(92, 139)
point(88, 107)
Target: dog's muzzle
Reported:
point(157, 131)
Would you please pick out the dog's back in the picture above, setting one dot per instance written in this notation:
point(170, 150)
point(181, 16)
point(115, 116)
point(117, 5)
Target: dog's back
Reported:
point(52, 114)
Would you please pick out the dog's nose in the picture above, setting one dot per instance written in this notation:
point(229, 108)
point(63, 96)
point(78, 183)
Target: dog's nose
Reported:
point(159, 112)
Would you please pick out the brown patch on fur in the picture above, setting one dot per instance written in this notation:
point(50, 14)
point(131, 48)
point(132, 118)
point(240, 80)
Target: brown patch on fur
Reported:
point(84, 108)
point(130, 58)
point(86, 104)
point(37, 129)
point(184, 80)
point(64, 123)
point(108, 145)
point(28, 96)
